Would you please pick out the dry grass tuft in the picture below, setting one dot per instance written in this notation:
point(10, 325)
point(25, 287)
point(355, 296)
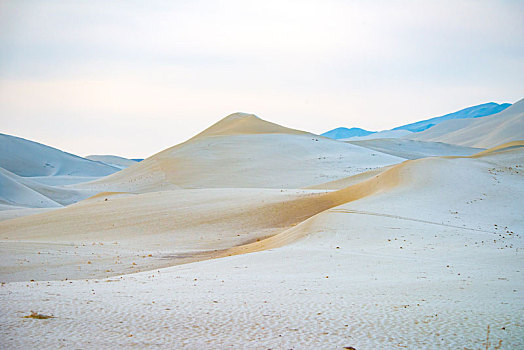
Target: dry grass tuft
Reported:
point(38, 316)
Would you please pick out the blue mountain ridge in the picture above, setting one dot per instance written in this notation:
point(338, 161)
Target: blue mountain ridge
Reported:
point(342, 133)
point(477, 111)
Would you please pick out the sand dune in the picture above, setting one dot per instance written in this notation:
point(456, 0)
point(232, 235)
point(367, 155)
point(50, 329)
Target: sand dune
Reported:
point(114, 161)
point(245, 123)
point(485, 132)
point(164, 223)
point(451, 257)
point(411, 149)
point(243, 151)
point(173, 226)
point(27, 158)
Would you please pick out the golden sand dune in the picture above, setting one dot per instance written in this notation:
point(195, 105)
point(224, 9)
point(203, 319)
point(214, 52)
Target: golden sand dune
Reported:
point(174, 226)
point(245, 123)
point(242, 151)
point(501, 148)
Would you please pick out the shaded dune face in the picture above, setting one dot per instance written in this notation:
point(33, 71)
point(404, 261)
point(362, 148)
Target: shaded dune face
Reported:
point(27, 158)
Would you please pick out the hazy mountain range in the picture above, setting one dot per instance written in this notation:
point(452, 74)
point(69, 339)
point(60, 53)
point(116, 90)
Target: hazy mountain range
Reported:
point(478, 111)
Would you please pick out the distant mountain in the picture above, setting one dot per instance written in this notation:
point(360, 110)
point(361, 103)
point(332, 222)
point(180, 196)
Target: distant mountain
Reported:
point(470, 112)
point(27, 158)
point(344, 133)
point(485, 132)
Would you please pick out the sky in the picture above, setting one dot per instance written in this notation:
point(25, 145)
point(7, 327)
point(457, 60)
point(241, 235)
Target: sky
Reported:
point(132, 78)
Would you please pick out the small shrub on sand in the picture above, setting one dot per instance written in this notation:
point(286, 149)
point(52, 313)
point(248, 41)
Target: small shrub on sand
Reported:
point(38, 316)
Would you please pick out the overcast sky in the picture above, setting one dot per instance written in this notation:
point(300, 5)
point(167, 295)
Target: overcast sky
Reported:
point(134, 77)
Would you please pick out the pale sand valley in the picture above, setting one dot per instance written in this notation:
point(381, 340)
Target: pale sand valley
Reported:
point(254, 235)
